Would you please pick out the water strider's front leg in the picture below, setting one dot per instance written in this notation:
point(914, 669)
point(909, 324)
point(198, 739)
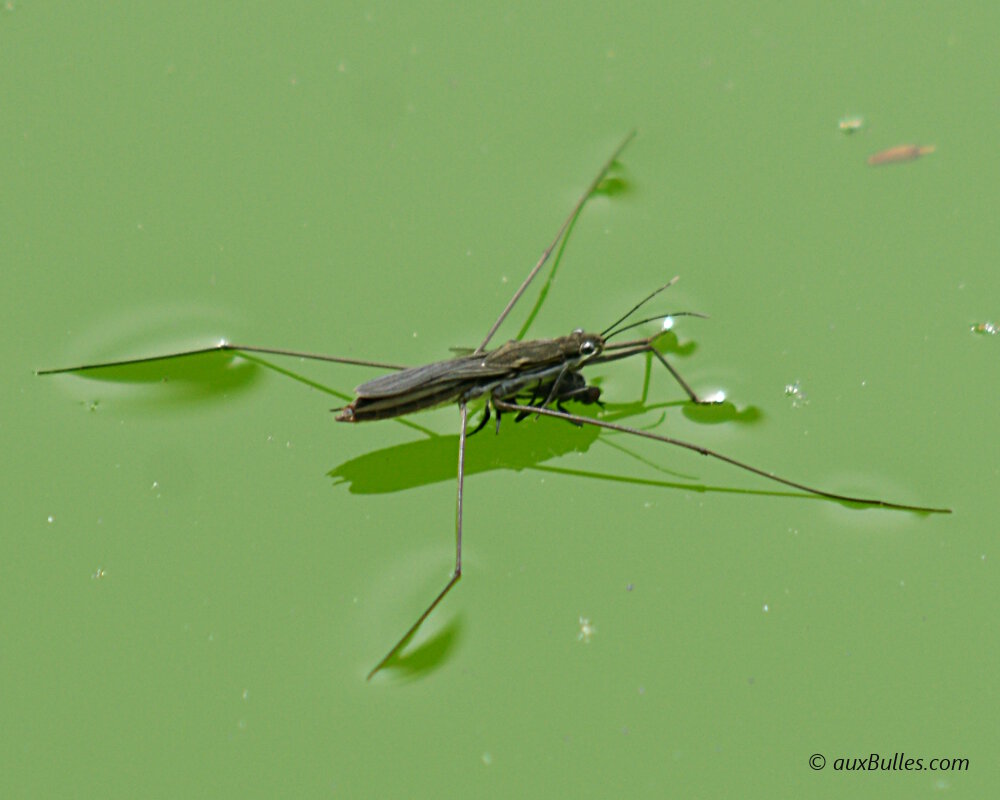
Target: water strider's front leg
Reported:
point(616, 352)
point(574, 387)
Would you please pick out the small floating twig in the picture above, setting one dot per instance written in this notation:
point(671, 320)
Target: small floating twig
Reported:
point(900, 153)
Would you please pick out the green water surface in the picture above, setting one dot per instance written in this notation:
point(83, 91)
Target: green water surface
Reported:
point(198, 566)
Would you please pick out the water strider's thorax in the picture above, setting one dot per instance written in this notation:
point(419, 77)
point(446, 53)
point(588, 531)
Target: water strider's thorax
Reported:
point(572, 349)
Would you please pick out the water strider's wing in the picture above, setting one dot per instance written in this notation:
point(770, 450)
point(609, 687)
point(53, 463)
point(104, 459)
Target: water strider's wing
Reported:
point(429, 377)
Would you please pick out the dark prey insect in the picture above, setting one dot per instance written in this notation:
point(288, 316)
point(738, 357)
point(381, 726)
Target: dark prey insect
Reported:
point(535, 377)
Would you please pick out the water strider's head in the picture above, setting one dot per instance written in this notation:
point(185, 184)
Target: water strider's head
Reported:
point(580, 345)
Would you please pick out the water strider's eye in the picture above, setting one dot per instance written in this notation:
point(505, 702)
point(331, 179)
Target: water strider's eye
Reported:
point(588, 347)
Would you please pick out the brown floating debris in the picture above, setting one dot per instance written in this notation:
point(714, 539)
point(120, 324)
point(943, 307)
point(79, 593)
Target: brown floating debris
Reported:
point(900, 153)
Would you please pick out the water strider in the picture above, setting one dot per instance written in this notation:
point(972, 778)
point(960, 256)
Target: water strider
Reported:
point(521, 377)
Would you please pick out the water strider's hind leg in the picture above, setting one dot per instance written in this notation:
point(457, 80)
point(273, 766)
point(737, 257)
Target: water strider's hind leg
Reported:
point(457, 571)
point(548, 412)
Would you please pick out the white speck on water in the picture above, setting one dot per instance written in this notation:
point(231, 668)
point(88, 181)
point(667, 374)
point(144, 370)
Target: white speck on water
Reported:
point(668, 323)
point(587, 630)
point(51, 518)
point(794, 390)
point(851, 123)
point(716, 397)
point(766, 608)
